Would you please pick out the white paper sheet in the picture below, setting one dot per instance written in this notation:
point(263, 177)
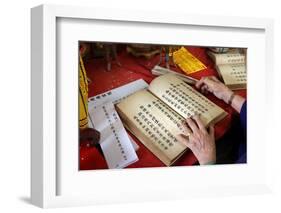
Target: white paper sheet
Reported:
point(115, 96)
point(135, 145)
point(115, 143)
point(118, 94)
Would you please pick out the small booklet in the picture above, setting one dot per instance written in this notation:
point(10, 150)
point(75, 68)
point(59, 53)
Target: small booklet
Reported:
point(154, 115)
point(234, 76)
point(231, 67)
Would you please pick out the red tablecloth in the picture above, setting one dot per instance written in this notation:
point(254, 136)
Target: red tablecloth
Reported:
point(136, 68)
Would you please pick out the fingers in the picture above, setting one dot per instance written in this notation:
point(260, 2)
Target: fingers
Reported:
point(185, 129)
point(205, 84)
point(192, 125)
point(185, 140)
point(195, 125)
point(200, 83)
point(204, 89)
point(199, 123)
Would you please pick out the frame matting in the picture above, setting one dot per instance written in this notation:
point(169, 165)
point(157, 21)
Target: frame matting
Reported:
point(55, 179)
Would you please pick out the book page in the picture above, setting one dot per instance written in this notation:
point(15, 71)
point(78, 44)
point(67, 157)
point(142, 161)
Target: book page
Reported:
point(115, 96)
point(115, 143)
point(118, 94)
point(154, 123)
point(233, 75)
point(185, 100)
point(227, 58)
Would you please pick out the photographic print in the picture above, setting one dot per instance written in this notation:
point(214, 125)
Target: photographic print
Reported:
point(150, 105)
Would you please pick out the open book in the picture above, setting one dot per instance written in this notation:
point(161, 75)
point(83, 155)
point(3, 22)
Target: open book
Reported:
point(155, 115)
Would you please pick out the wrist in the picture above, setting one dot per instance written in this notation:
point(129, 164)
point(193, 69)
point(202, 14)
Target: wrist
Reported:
point(228, 95)
point(208, 161)
point(231, 99)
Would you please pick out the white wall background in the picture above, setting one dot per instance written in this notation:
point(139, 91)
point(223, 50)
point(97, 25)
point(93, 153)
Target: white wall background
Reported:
point(15, 105)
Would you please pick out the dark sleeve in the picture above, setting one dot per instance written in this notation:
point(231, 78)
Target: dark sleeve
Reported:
point(243, 116)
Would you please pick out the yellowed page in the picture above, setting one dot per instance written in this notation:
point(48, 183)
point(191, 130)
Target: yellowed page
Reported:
point(154, 123)
point(232, 57)
point(185, 100)
point(233, 75)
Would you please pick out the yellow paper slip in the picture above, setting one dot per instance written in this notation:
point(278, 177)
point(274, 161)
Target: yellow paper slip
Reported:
point(187, 62)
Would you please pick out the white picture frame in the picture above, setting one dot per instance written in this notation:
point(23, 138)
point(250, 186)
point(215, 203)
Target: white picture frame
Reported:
point(51, 172)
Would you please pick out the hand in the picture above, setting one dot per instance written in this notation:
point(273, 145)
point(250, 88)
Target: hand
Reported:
point(199, 140)
point(213, 85)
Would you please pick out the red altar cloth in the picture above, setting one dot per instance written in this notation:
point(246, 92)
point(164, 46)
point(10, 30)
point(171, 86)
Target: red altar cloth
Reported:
point(136, 68)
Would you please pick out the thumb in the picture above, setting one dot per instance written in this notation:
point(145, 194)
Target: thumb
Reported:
point(215, 79)
point(212, 130)
point(185, 140)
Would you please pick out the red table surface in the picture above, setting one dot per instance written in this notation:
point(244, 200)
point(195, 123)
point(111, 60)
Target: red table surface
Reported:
point(139, 68)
